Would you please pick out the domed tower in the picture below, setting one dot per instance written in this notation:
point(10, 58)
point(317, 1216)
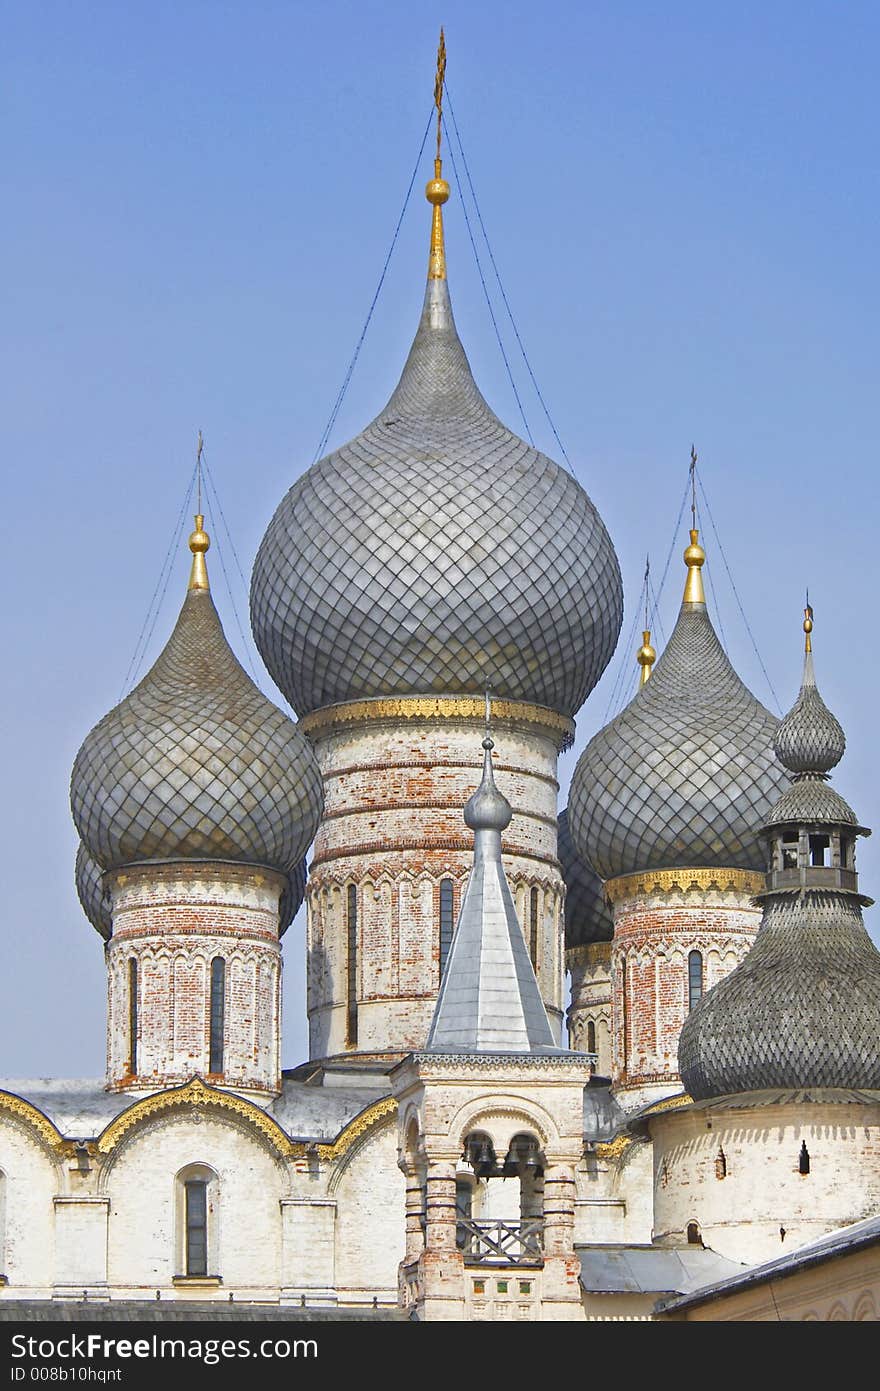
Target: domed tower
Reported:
point(664, 803)
point(589, 927)
point(781, 1056)
point(432, 557)
point(195, 800)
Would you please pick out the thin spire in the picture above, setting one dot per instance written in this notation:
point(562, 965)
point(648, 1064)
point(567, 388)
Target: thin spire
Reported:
point(693, 474)
point(437, 190)
point(489, 999)
point(808, 625)
point(199, 447)
point(199, 542)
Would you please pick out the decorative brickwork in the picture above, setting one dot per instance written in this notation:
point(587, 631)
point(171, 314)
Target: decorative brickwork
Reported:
point(170, 922)
point(676, 934)
point(395, 788)
point(589, 1014)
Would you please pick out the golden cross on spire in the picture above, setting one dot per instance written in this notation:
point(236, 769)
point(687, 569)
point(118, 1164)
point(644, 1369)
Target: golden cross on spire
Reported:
point(438, 84)
point(437, 190)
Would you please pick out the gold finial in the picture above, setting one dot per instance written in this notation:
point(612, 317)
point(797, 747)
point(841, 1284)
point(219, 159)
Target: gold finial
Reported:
point(198, 544)
point(694, 559)
point(437, 190)
point(646, 656)
point(808, 626)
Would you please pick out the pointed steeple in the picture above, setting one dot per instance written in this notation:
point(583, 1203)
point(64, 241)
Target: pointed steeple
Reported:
point(489, 1000)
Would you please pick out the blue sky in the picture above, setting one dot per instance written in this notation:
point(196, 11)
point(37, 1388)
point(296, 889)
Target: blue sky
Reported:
point(682, 200)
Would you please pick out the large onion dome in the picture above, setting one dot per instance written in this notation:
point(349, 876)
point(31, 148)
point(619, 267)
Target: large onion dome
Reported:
point(686, 773)
point(588, 916)
point(196, 763)
point(436, 552)
point(803, 1008)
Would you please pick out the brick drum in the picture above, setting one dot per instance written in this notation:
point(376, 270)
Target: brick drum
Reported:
point(396, 782)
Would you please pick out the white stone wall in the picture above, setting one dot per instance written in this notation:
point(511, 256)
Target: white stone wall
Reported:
point(756, 1205)
point(32, 1177)
point(173, 921)
point(395, 791)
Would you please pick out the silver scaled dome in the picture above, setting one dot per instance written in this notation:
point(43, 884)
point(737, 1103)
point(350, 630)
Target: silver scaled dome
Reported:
point(436, 552)
point(196, 763)
point(686, 773)
point(92, 894)
point(803, 1008)
point(588, 916)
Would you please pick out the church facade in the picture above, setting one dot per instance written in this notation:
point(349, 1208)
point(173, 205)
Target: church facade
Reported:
point(436, 599)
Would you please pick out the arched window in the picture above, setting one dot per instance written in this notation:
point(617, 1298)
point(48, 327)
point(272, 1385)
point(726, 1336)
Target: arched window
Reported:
point(695, 978)
point(218, 1014)
point(625, 1012)
point(533, 927)
point(804, 1159)
point(693, 1234)
point(197, 1201)
point(721, 1163)
point(447, 920)
point(351, 1018)
point(132, 1015)
point(591, 1036)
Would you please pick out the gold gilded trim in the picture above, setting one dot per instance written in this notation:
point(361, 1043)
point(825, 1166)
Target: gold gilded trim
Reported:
point(31, 1115)
point(587, 953)
point(468, 709)
point(195, 1093)
point(744, 881)
point(198, 1093)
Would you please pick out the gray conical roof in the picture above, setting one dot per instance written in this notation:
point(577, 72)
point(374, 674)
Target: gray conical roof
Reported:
point(588, 916)
point(803, 1008)
point(489, 1000)
point(685, 775)
point(436, 552)
point(196, 763)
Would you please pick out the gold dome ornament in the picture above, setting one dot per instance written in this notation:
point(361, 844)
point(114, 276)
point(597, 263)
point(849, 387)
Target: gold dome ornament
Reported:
point(694, 559)
point(199, 543)
point(437, 189)
point(646, 656)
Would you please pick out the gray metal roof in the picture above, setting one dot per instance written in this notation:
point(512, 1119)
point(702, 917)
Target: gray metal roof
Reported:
point(685, 774)
point(196, 763)
point(651, 1269)
point(588, 916)
point(489, 1001)
point(82, 1108)
point(436, 552)
point(856, 1237)
point(809, 739)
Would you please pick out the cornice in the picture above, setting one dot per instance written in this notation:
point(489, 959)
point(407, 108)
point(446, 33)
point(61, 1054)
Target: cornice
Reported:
point(684, 880)
point(25, 1111)
point(537, 719)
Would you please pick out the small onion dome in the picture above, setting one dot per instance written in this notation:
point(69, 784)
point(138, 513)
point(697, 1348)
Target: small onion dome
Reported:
point(196, 763)
point(487, 809)
point(588, 917)
point(684, 775)
point(436, 553)
point(809, 739)
point(92, 894)
point(292, 896)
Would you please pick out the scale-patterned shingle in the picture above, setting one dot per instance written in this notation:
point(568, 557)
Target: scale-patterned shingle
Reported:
point(436, 552)
point(685, 774)
point(588, 916)
point(196, 763)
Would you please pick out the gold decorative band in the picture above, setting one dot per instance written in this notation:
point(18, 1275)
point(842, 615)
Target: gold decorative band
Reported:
point(588, 953)
point(664, 881)
point(465, 708)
